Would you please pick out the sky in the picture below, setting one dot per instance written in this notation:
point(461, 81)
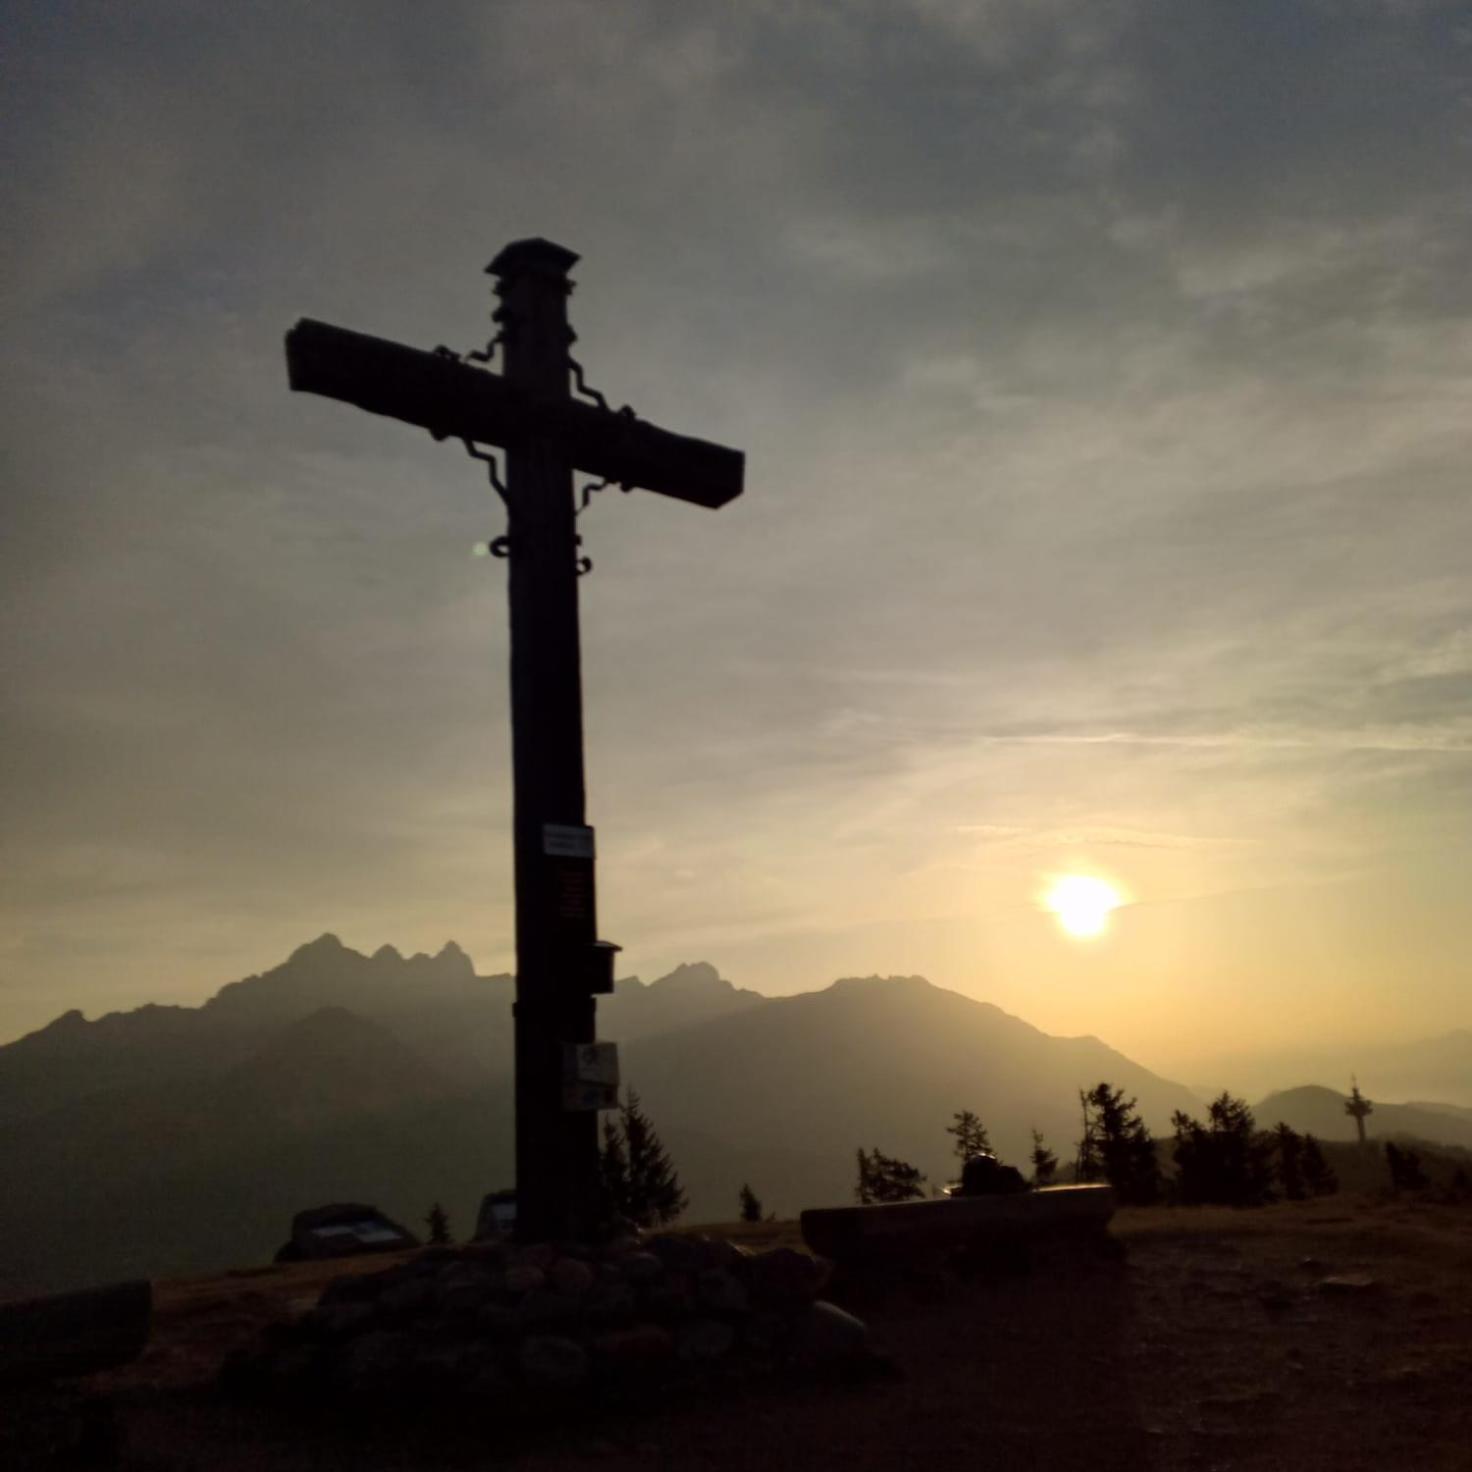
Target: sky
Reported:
point(1103, 370)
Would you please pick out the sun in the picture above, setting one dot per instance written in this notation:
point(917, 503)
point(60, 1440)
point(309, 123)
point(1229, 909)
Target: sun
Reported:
point(1082, 904)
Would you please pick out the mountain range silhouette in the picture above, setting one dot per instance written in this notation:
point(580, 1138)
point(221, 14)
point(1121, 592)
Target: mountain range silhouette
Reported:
point(178, 1139)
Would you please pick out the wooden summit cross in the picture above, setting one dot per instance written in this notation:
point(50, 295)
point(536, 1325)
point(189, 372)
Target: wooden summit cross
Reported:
point(527, 410)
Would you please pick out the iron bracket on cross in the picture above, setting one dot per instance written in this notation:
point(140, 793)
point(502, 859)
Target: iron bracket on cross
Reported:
point(454, 400)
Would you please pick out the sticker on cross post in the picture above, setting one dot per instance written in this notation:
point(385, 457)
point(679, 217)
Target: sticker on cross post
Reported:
point(567, 841)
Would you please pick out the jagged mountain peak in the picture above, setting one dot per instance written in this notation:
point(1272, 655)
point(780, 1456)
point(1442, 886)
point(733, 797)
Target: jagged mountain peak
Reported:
point(689, 974)
point(326, 944)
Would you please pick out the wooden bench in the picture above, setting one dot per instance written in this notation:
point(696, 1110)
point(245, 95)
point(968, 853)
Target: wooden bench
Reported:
point(851, 1234)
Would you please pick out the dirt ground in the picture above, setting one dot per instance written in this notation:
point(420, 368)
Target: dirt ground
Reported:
point(1209, 1339)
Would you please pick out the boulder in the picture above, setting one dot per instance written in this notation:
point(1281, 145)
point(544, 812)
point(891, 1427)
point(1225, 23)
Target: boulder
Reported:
point(641, 1267)
point(376, 1363)
point(552, 1362)
point(523, 1278)
point(570, 1276)
point(785, 1278)
point(703, 1339)
point(825, 1335)
point(721, 1292)
point(642, 1344)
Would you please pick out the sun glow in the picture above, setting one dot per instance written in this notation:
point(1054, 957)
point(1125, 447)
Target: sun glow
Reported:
point(1082, 904)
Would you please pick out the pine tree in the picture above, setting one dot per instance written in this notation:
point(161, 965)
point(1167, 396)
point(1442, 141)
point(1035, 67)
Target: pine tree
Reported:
point(883, 1178)
point(1088, 1165)
point(970, 1135)
point(751, 1207)
point(1290, 1161)
point(1405, 1168)
point(1124, 1148)
point(613, 1169)
point(1318, 1174)
point(1227, 1161)
point(639, 1178)
point(1044, 1162)
point(438, 1222)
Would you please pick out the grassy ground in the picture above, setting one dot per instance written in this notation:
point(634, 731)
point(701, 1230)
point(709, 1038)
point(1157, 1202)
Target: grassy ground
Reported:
point(1207, 1342)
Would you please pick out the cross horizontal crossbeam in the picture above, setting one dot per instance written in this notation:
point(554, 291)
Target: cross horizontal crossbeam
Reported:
point(456, 401)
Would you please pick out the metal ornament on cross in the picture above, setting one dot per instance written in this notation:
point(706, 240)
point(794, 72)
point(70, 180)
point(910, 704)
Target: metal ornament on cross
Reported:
point(563, 1077)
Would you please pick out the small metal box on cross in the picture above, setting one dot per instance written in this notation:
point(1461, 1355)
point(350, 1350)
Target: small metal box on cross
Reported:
point(529, 411)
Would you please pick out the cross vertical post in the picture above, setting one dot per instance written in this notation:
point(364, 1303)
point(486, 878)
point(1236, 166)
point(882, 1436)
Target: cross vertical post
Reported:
point(556, 1148)
point(563, 1077)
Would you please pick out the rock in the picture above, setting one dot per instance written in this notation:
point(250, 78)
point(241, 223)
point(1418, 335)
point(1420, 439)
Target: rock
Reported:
point(340, 1320)
point(440, 1364)
point(498, 1321)
point(642, 1267)
point(491, 1256)
point(487, 1380)
point(462, 1274)
point(524, 1278)
point(640, 1345)
point(243, 1370)
point(766, 1331)
point(538, 1255)
point(1347, 1285)
point(462, 1302)
point(721, 1292)
point(823, 1335)
point(546, 1309)
point(665, 1303)
point(610, 1305)
point(679, 1254)
point(375, 1363)
point(568, 1275)
point(359, 1288)
point(551, 1362)
point(703, 1339)
point(407, 1300)
point(621, 1246)
point(294, 1369)
point(722, 1253)
point(786, 1278)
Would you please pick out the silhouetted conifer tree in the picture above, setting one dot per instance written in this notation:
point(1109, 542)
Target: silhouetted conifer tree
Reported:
point(751, 1208)
point(1122, 1145)
point(1318, 1174)
point(1289, 1145)
point(1088, 1166)
point(613, 1168)
point(1044, 1162)
point(1405, 1168)
point(438, 1222)
point(1226, 1161)
point(883, 1178)
point(970, 1134)
point(639, 1179)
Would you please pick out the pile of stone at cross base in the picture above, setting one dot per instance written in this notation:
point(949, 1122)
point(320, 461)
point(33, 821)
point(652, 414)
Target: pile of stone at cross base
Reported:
point(525, 1325)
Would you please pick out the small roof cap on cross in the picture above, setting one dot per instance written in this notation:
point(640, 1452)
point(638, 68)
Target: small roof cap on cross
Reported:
point(535, 257)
